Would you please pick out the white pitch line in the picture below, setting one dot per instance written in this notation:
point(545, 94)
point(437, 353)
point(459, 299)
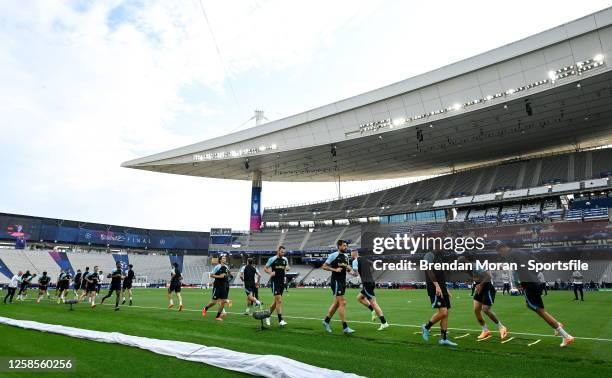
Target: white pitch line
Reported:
point(462, 336)
point(505, 341)
point(369, 322)
point(534, 343)
point(486, 338)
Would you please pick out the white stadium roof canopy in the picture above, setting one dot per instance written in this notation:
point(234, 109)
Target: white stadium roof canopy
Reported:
point(551, 91)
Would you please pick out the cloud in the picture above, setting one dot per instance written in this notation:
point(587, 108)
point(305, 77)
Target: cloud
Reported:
point(87, 85)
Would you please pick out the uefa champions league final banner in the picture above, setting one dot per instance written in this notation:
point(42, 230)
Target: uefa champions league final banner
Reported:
point(255, 208)
point(178, 260)
point(123, 260)
point(5, 270)
point(62, 260)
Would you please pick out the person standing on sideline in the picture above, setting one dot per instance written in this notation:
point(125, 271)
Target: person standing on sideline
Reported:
point(542, 281)
point(12, 288)
point(506, 281)
point(578, 285)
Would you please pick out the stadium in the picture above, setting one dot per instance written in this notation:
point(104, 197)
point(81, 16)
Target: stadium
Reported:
point(512, 147)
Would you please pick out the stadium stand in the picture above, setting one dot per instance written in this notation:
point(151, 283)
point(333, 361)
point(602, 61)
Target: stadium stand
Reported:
point(461, 216)
point(552, 210)
point(512, 175)
point(395, 276)
point(555, 170)
point(154, 267)
point(477, 216)
point(509, 213)
point(323, 237)
point(491, 199)
point(264, 240)
point(293, 238)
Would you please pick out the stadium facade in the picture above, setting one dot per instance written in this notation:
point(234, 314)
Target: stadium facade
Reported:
point(516, 139)
point(516, 100)
point(492, 122)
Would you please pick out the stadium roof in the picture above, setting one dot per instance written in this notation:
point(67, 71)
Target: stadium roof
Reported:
point(551, 91)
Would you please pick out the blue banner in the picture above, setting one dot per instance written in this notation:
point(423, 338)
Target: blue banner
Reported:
point(123, 260)
point(62, 260)
point(5, 270)
point(56, 233)
point(23, 229)
point(20, 243)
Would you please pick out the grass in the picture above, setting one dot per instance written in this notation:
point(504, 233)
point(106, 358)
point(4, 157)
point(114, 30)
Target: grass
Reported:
point(397, 351)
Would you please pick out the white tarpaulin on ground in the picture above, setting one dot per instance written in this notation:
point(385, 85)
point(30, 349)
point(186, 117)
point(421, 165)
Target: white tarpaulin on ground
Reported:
point(262, 365)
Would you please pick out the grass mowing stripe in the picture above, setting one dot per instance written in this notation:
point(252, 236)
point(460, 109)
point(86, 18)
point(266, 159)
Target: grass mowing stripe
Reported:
point(392, 324)
point(380, 355)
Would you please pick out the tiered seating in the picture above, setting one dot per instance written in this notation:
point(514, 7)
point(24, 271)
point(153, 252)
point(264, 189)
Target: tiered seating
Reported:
point(353, 202)
point(477, 216)
point(461, 216)
point(155, 267)
point(323, 238)
point(552, 210)
point(402, 228)
point(394, 195)
point(465, 182)
point(264, 240)
point(401, 276)
point(595, 213)
point(194, 267)
point(431, 186)
point(485, 179)
point(491, 215)
point(104, 261)
point(506, 176)
point(294, 238)
point(554, 170)
point(573, 215)
point(602, 162)
point(580, 167)
point(318, 275)
point(428, 227)
point(529, 210)
point(352, 234)
point(43, 262)
point(607, 273)
point(374, 199)
point(597, 271)
point(509, 213)
point(15, 260)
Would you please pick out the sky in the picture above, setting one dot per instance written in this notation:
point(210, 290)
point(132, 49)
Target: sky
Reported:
point(86, 85)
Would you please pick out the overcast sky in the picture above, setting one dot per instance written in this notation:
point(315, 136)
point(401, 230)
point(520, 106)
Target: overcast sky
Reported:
point(86, 85)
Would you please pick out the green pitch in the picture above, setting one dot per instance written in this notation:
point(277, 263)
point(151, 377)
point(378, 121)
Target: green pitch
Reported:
point(397, 351)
